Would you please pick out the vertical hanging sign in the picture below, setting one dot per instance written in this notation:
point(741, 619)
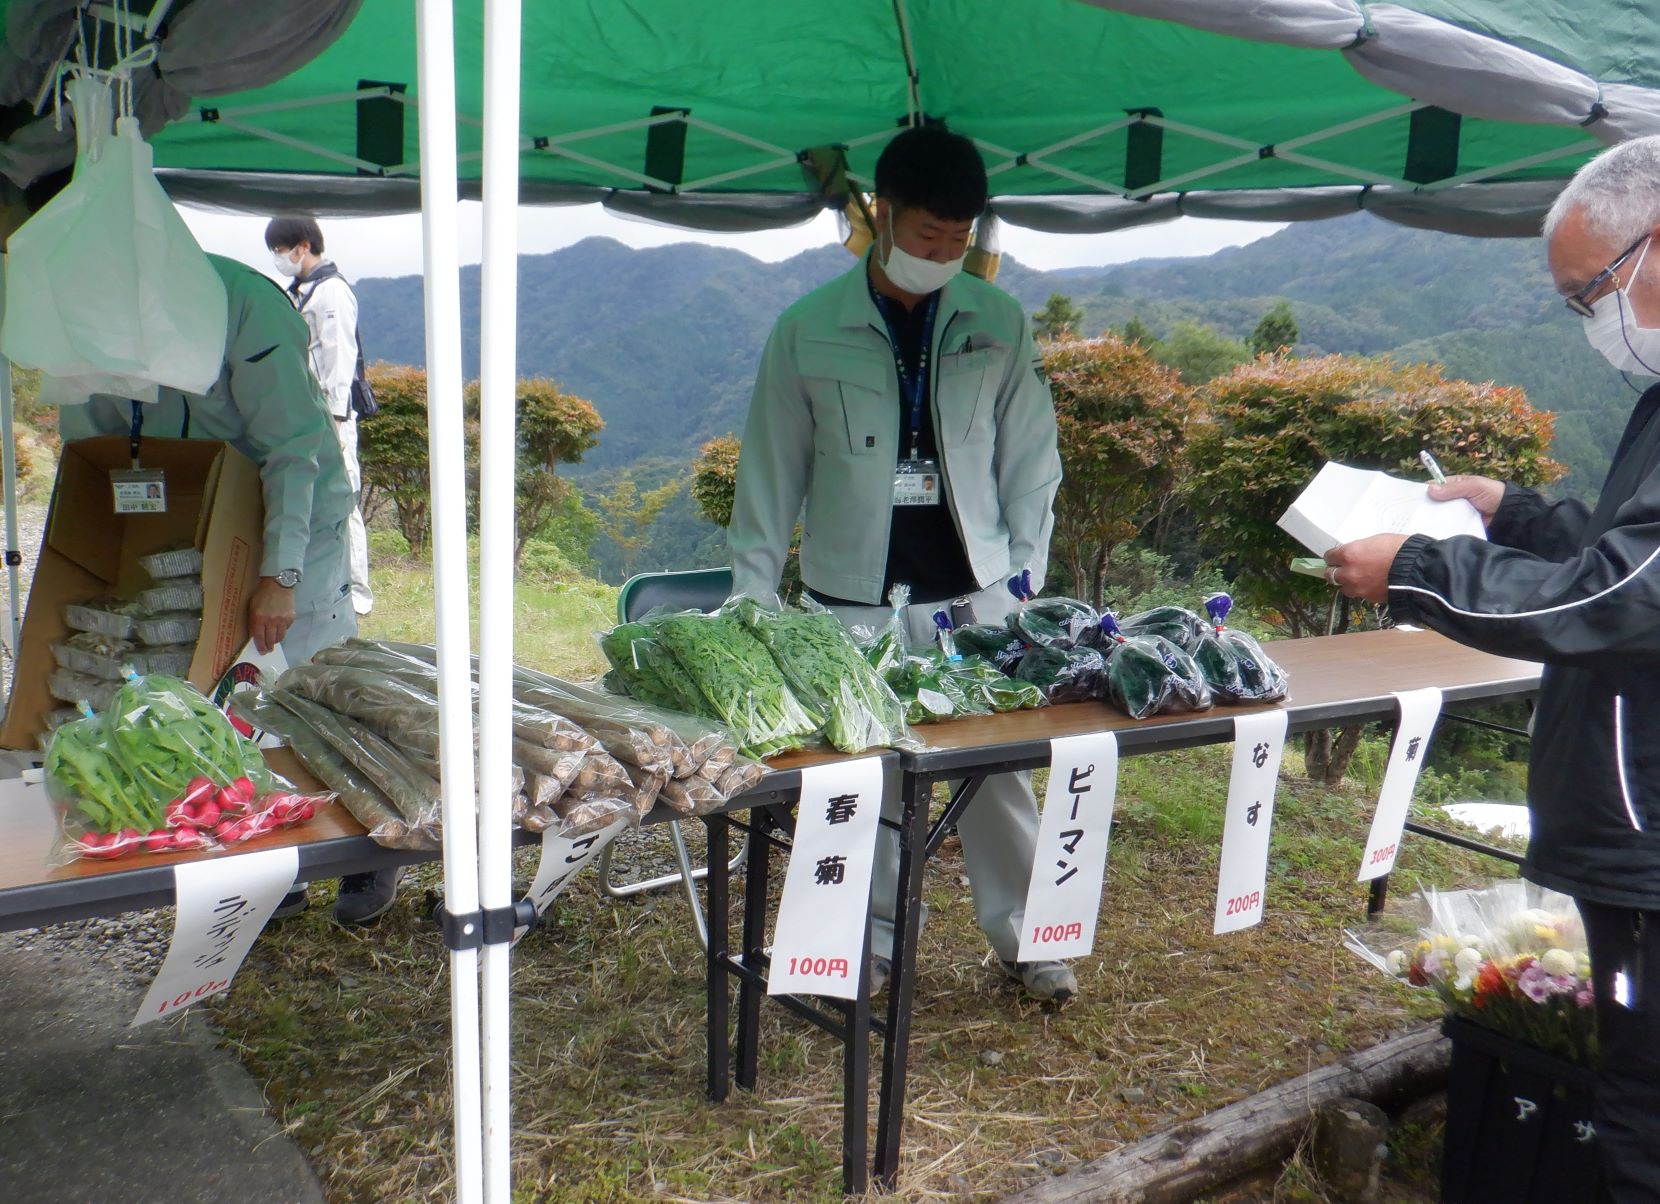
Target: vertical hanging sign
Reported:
point(819, 943)
point(1259, 743)
point(224, 904)
point(1069, 869)
point(562, 857)
point(1419, 711)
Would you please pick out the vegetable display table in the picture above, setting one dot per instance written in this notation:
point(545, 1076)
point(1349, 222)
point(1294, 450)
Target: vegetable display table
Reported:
point(1334, 680)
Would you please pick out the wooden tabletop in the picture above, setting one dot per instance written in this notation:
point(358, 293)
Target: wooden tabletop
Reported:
point(1332, 679)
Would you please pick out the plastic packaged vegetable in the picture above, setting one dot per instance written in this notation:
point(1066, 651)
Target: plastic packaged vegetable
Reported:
point(105, 616)
point(737, 676)
point(1147, 675)
point(1065, 674)
point(821, 664)
point(884, 649)
point(1001, 646)
point(171, 627)
point(1261, 680)
point(166, 758)
point(1177, 624)
point(172, 562)
point(68, 686)
point(180, 593)
point(1053, 622)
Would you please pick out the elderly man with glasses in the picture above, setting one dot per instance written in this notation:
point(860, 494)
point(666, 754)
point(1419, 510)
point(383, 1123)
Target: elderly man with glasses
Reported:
point(1578, 588)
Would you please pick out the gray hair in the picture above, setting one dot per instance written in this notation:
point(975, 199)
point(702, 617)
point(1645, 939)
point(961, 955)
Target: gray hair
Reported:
point(1618, 191)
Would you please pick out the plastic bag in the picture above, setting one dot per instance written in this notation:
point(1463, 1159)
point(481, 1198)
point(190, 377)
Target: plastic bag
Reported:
point(885, 648)
point(647, 671)
point(180, 593)
point(66, 685)
point(1053, 622)
point(1001, 646)
point(1065, 674)
point(928, 691)
point(107, 658)
point(1148, 675)
point(1260, 679)
point(1177, 624)
point(821, 664)
point(737, 676)
point(170, 627)
point(103, 616)
point(119, 295)
point(164, 771)
point(182, 561)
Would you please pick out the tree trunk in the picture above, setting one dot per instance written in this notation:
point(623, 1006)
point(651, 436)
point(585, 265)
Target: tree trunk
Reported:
point(1328, 752)
point(1193, 1159)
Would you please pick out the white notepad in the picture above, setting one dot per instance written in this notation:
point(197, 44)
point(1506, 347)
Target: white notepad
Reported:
point(1343, 504)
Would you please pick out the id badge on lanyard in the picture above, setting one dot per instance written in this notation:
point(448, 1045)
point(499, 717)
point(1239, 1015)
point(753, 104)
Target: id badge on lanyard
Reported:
point(916, 481)
point(139, 490)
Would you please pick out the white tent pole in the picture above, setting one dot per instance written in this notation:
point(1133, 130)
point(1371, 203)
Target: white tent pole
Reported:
point(440, 222)
point(498, 316)
point(8, 461)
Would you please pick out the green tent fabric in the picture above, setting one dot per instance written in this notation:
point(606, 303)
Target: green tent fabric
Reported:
point(1091, 114)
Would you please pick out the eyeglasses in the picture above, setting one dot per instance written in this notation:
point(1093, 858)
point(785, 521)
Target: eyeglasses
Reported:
point(1580, 302)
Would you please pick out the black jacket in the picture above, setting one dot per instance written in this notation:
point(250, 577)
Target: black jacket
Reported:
point(1580, 591)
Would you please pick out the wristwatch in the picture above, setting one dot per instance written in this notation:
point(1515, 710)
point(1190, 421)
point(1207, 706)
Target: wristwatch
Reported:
point(288, 578)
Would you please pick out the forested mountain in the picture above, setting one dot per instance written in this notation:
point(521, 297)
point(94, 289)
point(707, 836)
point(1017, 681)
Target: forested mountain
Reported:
point(665, 341)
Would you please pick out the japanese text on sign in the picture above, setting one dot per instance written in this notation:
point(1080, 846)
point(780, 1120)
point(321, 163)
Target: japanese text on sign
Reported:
point(1419, 711)
point(1242, 880)
point(561, 858)
point(1068, 871)
point(819, 942)
point(223, 905)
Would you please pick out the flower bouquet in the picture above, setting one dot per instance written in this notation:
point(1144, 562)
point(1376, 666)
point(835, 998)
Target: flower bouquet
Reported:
point(1511, 958)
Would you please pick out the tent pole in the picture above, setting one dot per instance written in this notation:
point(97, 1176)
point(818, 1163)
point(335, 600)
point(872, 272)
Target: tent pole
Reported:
point(498, 316)
point(8, 461)
point(440, 220)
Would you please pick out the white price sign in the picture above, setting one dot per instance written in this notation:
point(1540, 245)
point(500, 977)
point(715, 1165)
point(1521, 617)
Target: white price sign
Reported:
point(562, 857)
point(1259, 743)
point(224, 904)
point(1069, 869)
point(1419, 711)
point(820, 937)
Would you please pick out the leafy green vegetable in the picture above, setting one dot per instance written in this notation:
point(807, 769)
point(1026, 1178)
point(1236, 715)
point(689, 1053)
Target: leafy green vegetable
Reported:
point(820, 662)
point(737, 678)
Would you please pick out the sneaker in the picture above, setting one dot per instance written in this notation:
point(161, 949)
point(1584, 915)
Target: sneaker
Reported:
point(365, 897)
point(1043, 980)
point(293, 903)
point(881, 969)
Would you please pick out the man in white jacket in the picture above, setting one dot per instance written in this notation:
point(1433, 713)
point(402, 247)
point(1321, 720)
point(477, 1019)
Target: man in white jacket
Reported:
point(905, 405)
point(329, 307)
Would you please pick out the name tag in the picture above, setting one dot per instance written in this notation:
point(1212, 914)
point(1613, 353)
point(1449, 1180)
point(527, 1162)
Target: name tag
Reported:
point(917, 483)
point(139, 490)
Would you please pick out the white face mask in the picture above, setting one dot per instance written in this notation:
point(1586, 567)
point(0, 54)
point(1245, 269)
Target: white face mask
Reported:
point(913, 274)
point(285, 265)
point(1613, 331)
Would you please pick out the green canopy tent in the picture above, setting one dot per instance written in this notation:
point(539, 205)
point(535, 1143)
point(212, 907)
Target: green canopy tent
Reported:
point(1092, 114)
point(743, 114)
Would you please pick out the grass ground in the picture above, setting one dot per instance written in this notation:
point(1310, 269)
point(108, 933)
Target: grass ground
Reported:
point(350, 1030)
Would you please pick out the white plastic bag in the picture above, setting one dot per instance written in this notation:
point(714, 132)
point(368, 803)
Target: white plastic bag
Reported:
point(108, 290)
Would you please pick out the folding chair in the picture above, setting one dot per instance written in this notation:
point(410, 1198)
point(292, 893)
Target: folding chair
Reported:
point(697, 589)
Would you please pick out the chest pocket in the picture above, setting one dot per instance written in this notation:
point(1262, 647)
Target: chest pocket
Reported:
point(967, 394)
point(855, 411)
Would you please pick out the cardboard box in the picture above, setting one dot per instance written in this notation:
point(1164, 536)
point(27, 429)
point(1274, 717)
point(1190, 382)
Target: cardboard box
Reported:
point(214, 500)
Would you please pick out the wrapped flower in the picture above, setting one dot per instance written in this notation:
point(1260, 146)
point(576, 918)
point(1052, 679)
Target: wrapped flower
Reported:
point(1468, 959)
point(1397, 961)
point(1559, 962)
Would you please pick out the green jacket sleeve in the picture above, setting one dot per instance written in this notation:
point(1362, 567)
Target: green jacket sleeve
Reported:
point(1028, 463)
point(288, 429)
point(773, 466)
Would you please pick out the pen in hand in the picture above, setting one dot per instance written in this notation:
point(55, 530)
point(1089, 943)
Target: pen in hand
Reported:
point(1434, 469)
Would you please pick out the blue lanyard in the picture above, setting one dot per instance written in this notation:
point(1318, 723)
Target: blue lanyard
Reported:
point(914, 389)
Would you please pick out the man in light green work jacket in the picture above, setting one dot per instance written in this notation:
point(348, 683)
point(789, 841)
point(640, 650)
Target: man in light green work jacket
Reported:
point(268, 405)
point(905, 405)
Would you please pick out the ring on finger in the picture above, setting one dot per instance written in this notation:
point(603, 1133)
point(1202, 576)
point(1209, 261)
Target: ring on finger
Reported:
point(1331, 576)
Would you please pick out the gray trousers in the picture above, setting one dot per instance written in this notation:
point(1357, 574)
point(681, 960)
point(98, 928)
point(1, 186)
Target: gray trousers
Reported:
point(998, 830)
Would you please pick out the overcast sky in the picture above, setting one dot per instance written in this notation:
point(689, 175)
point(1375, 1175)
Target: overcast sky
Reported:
point(391, 246)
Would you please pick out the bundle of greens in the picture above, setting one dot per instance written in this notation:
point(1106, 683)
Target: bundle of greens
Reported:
point(739, 680)
point(999, 645)
point(819, 661)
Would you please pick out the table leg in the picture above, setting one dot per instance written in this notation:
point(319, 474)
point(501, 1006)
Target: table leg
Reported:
point(856, 1083)
point(719, 945)
point(917, 793)
point(754, 937)
point(1377, 897)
